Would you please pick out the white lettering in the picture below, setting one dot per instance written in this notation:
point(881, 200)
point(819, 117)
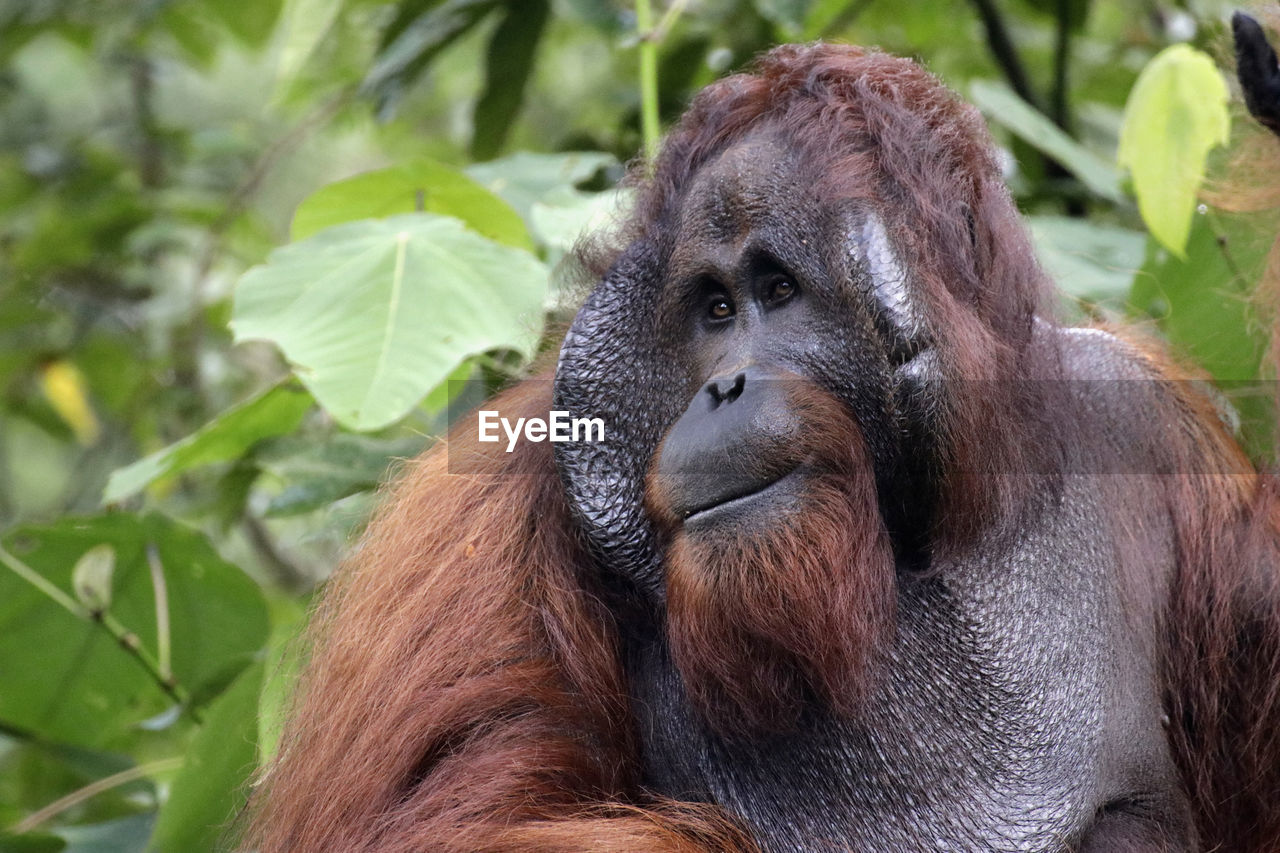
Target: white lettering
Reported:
point(588, 424)
point(488, 426)
point(559, 423)
point(557, 427)
point(512, 434)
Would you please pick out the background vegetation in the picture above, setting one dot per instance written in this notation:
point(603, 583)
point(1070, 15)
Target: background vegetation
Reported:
point(244, 244)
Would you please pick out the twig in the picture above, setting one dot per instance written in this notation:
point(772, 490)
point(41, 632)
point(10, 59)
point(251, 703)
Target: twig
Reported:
point(286, 573)
point(1006, 55)
point(194, 330)
point(150, 152)
point(668, 20)
point(37, 580)
point(1060, 109)
point(1239, 281)
point(93, 789)
point(125, 638)
point(845, 17)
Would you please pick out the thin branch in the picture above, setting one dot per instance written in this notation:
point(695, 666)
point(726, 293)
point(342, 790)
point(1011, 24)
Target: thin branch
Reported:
point(262, 167)
point(191, 335)
point(130, 643)
point(37, 580)
point(1005, 54)
point(1238, 280)
point(125, 638)
point(150, 151)
point(1059, 106)
point(668, 20)
point(286, 573)
point(93, 789)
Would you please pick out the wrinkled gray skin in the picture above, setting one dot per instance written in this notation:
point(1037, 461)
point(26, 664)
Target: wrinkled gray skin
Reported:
point(1019, 707)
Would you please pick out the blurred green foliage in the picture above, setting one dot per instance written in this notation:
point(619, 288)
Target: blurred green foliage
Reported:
point(432, 162)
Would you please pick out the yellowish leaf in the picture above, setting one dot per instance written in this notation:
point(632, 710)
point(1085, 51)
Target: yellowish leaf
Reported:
point(64, 386)
point(1176, 113)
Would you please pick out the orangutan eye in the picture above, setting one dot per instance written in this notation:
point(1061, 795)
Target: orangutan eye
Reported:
point(720, 308)
point(781, 290)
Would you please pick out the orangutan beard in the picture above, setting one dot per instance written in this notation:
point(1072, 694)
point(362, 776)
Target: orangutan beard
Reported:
point(765, 623)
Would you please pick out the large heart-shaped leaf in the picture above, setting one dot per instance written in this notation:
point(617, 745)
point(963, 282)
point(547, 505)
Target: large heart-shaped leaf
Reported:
point(526, 177)
point(374, 314)
point(421, 185)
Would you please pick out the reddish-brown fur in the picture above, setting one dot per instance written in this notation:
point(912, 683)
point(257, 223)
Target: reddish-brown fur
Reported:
point(761, 625)
point(878, 128)
point(465, 693)
point(1221, 664)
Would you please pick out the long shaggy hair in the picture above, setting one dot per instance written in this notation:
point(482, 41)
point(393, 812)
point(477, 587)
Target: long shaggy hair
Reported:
point(464, 691)
point(880, 130)
point(762, 625)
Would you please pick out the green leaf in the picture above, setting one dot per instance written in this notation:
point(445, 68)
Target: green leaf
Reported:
point(1175, 114)
point(1092, 262)
point(601, 15)
point(418, 43)
point(1204, 307)
point(125, 835)
point(374, 314)
point(281, 668)
point(524, 177)
point(1001, 105)
point(565, 214)
point(66, 679)
point(787, 15)
point(822, 15)
point(406, 12)
point(274, 412)
point(30, 842)
point(401, 189)
point(91, 577)
point(317, 474)
point(212, 785)
point(193, 30)
point(303, 26)
point(251, 21)
point(508, 66)
point(1202, 301)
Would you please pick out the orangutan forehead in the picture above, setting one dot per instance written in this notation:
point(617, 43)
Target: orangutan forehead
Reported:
point(755, 183)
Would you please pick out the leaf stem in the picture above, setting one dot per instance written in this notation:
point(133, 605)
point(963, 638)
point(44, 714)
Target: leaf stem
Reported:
point(37, 580)
point(125, 638)
point(668, 20)
point(130, 643)
point(93, 789)
point(1238, 280)
point(648, 80)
